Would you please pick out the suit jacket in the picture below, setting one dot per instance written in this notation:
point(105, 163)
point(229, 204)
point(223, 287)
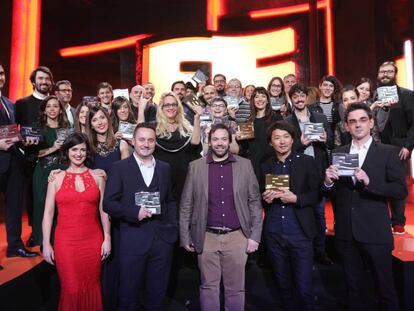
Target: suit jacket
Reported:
point(119, 202)
point(399, 126)
point(320, 148)
point(27, 110)
point(194, 202)
point(304, 181)
point(5, 155)
point(362, 212)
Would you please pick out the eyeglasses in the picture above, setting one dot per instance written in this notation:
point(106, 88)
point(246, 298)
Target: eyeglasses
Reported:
point(65, 91)
point(170, 106)
point(218, 106)
point(383, 72)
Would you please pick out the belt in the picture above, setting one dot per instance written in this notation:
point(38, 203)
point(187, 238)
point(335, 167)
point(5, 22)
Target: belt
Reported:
point(220, 231)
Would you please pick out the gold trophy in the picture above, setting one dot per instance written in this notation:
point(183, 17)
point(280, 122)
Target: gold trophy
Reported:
point(277, 182)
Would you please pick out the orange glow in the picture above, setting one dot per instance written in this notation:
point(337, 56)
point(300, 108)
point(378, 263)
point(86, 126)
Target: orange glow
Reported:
point(294, 9)
point(24, 46)
point(214, 11)
point(161, 60)
point(329, 38)
point(401, 77)
point(101, 47)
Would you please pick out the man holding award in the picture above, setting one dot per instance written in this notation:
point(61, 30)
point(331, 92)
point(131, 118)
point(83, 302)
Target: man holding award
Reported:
point(221, 220)
point(290, 185)
point(360, 203)
point(138, 193)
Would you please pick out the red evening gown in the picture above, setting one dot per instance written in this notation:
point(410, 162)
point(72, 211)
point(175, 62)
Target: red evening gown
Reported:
point(78, 240)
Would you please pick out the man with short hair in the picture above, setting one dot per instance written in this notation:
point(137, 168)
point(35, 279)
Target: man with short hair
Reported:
point(149, 92)
point(147, 237)
point(178, 88)
point(208, 93)
point(27, 114)
point(316, 149)
point(219, 81)
point(136, 95)
point(290, 222)
point(234, 93)
point(328, 102)
point(105, 95)
point(360, 204)
point(221, 220)
point(64, 94)
point(11, 179)
point(288, 81)
point(397, 130)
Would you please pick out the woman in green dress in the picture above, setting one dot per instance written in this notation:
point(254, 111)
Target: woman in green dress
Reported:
point(52, 117)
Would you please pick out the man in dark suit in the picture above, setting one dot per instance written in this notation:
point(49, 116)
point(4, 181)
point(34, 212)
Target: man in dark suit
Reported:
point(146, 237)
point(397, 129)
point(290, 222)
point(64, 94)
point(362, 221)
point(318, 149)
point(221, 220)
point(11, 179)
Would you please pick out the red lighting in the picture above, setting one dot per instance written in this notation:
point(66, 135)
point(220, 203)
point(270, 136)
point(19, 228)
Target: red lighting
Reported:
point(101, 47)
point(293, 9)
point(215, 9)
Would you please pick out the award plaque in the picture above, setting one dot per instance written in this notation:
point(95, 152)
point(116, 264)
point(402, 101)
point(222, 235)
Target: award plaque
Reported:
point(90, 100)
point(313, 131)
point(63, 133)
point(232, 102)
point(277, 182)
point(127, 129)
point(346, 163)
point(10, 132)
point(150, 200)
point(388, 94)
point(192, 101)
point(246, 131)
point(276, 103)
point(31, 132)
point(121, 93)
point(200, 76)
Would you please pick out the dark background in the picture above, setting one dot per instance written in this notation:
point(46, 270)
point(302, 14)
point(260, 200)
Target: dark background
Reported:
point(366, 32)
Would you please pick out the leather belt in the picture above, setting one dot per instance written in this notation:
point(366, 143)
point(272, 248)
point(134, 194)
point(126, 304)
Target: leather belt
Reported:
point(220, 231)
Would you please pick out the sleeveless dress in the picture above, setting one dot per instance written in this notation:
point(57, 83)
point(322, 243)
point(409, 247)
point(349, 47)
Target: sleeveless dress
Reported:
point(78, 240)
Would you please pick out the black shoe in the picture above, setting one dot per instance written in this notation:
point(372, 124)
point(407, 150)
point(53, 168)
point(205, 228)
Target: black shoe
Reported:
point(324, 260)
point(30, 242)
point(22, 252)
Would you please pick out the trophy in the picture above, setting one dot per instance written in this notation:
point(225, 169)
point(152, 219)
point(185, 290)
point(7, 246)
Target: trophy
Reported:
point(149, 200)
point(277, 182)
point(127, 129)
point(63, 133)
point(192, 101)
point(200, 76)
point(346, 163)
point(246, 131)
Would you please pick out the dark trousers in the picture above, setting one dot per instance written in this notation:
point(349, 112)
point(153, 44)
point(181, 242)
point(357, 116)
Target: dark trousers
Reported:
point(291, 257)
point(397, 212)
point(319, 241)
point(151, 269)
point(379, 259)
point(11, 184)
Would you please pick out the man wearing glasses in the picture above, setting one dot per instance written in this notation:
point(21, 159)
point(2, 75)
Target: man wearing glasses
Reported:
point(64, 93)
point(397, 130)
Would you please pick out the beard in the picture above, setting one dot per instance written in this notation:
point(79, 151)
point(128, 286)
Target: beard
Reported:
point(221, 154)
point(43, 88)
point(389, 82)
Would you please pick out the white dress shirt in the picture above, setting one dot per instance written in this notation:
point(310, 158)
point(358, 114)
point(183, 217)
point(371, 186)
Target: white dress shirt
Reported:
point(147, 170)
point(69, 115)
point(362, 152)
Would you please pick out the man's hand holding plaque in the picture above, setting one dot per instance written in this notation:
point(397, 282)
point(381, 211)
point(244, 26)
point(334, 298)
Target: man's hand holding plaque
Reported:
point(150, 201)
point(314, 132)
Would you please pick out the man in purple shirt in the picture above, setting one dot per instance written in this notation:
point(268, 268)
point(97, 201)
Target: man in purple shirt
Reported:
point(221, 220)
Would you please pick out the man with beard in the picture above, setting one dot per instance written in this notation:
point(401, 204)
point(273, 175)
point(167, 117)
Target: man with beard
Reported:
point(208, 93)
point(219, 81)
point(397, 130)
point(316, 149)
point(64, 94)
point(179, 89)
point(221, 220)
point(137, 95)
point(27, 114)
point(290, 222)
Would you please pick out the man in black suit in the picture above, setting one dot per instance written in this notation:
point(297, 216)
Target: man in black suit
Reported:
point(64, 94)
point(11, 179)
point(290, 222)
point(397, 130)
point(318, 149)
point(27, 114)
point(362, 221)
point(146, 238)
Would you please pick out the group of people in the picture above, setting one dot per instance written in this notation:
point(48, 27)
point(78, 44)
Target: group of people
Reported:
point(108, 207)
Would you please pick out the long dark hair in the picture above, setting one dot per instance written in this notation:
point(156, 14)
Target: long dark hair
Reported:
point(268, 110)
point(116, 105)
point(73, 140)
point(62, 118)
point(91, 133)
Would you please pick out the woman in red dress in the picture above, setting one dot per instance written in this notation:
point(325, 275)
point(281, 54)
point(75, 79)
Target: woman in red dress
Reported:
point(82, 236)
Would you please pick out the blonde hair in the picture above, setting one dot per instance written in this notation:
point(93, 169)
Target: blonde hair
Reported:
point(183, 126)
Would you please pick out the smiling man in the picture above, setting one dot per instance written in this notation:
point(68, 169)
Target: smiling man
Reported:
point(360, 203)
point(220, 220)
point(290, 222)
